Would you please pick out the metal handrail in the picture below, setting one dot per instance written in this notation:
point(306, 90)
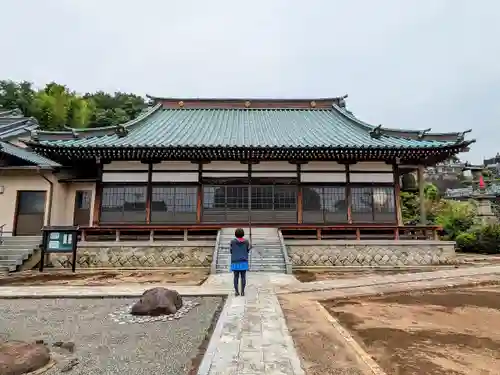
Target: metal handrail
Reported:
point(288, 264)
point(1, 233)
point(213, 266)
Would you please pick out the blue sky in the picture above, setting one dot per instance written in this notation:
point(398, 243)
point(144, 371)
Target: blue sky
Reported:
point(407, 64)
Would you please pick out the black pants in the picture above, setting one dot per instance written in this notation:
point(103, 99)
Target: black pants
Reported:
point(237, 275)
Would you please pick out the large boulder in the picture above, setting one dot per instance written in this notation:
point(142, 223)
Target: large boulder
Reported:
point(158, 301)
point(18, 358)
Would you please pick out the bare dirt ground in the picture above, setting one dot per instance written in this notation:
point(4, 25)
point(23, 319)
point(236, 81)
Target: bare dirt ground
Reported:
point(98, 278)
point(306, 276)
point(321, 349)
point(452, 332)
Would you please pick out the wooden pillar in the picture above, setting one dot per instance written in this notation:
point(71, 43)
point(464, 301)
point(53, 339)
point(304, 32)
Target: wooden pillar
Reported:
point(98, 196)
point(348, 194)
point(149, 193)
point(199, 197)
point(249, 203)
point(421, 187)
point(397, 195)
point(300, 198)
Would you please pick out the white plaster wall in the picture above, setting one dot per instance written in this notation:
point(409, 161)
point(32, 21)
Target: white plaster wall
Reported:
point(124, 166)
point(174, 177)
point(225, 166)
point(323, 166)
point(323, 177)
point(372, 177)
point(371, 166)
point(273, 166)
point(124, 177)
point(175, 166)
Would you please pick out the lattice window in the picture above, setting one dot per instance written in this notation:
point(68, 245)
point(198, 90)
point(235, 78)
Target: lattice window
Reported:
point(373, 204)
point(123, 204)
point(324, 204)
point(173, 204)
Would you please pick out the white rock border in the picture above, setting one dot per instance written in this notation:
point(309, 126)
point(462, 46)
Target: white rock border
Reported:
point(123, 316)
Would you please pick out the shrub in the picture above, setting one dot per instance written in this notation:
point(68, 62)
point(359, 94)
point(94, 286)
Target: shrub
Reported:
point(484, 239)
point(488, 239)
point(467, 242)
point(455, 217)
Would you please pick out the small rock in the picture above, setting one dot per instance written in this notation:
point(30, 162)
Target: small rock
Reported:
point(69, 366)
point(69, 346)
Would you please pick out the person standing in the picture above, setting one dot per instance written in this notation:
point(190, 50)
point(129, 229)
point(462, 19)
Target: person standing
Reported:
point(239, 248)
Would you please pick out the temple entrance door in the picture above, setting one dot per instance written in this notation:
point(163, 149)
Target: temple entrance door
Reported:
point(30, 213)
point(270, 204)
point(81, 214)
point(274, 204)
point(225, 204)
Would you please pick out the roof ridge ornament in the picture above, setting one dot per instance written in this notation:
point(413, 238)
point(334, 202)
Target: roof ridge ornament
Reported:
point(342, 103)
point(121, 131)
point(422, 134)
point(461, 136)
point(34, 135)
point(376, 132)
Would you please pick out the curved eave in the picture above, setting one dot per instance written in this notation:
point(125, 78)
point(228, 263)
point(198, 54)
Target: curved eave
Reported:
point(94, 132)
point(419, 135)
point(433, 155)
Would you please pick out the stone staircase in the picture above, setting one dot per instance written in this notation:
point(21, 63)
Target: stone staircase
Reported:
point(266, 254)
point(14, 251)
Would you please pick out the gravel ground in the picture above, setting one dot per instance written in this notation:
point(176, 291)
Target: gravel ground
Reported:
point(104, 344)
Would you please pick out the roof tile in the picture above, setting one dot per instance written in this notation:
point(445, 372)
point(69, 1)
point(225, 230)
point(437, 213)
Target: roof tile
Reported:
point(302, 128)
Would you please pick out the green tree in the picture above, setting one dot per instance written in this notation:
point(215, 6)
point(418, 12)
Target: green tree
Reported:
point(56, 107)
point(18, 96)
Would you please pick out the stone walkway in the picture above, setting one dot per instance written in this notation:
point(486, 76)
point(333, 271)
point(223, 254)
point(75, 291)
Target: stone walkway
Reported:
point(251, 336)
point(317, 286)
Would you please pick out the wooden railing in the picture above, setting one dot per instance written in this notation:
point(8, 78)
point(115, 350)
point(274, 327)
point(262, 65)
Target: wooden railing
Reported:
point(119, 233)
point(147, 233)
point(362, 232)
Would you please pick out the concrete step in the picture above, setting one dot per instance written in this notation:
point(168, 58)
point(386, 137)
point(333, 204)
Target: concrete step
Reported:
point(7, 269)
point(16, 252)
point(261, 263)
point(22, 256)
point(16, 240)
point(272, 270)
point(11, 262)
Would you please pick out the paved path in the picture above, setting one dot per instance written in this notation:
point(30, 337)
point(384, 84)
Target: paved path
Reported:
point(317, 286)
point(251, 337)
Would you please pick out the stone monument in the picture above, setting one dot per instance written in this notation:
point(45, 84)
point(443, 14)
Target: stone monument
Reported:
point(484, 210)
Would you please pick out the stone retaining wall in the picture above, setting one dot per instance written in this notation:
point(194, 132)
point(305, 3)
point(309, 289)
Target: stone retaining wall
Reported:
point(329, 253)
point(138, 255)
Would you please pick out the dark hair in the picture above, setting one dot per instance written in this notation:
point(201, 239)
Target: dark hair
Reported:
point(239, 233)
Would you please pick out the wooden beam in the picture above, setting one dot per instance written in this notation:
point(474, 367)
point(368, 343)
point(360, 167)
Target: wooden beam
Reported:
point(397, 195)
point(348, 194)
point(98, 195)
point(199, 198)
point(149, 193)
point(421, 191)
point(300, 198)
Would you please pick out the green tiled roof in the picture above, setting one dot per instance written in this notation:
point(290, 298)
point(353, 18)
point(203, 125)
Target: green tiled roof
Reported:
point(27, 155)
point(259, 128)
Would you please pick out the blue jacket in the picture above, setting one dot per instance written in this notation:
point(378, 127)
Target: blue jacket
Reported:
point(239, 250)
